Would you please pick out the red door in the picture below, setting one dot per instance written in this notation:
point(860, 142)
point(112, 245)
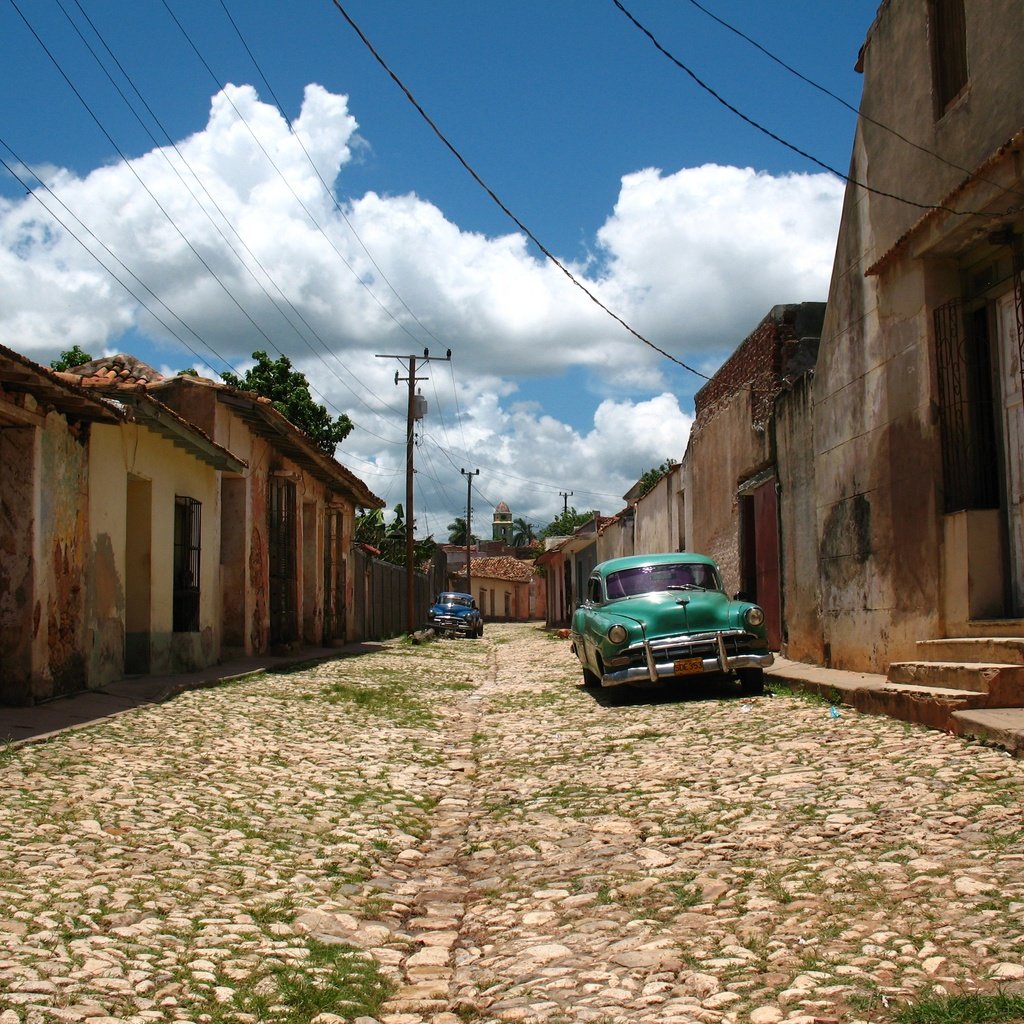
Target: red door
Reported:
point(766, 557)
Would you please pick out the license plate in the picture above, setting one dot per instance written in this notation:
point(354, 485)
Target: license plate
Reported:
point(688, 666)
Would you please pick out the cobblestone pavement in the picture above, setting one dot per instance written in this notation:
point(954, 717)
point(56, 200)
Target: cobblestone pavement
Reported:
point(458, 832)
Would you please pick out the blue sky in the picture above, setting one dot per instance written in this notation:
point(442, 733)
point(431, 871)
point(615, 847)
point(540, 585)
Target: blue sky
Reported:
point(684, 219)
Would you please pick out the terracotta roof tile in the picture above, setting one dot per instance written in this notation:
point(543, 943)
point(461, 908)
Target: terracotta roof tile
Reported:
point(504, 568)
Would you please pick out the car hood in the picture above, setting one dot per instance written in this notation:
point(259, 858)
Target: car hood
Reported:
point(688, 611)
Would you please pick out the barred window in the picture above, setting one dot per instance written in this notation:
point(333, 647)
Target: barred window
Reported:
point(967, 423)
point(187, 522)
point(948, 30)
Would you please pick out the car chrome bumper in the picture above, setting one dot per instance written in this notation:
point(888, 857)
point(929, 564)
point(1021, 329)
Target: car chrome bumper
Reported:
point(654, 670)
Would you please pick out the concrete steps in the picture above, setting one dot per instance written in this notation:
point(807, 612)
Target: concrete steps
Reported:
point(953, 678)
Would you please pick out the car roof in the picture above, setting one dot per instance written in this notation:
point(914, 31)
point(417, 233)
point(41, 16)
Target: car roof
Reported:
point(455, 593)
point(636, 561)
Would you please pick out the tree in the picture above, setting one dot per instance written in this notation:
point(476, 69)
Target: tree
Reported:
point(457, 532)
point(70, 358)
point(650, 477)
point(566, 523)
point(522, 532)
point(288, 389)
point(389, 538)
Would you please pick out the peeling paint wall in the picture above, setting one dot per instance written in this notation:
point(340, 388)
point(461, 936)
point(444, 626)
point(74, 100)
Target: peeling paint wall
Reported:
point(17, 585)
point(43, 554)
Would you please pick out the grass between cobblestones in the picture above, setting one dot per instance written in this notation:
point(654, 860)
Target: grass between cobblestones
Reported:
point(152, 866)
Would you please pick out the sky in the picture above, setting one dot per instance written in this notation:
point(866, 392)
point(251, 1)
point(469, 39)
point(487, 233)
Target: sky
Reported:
point(194, 180)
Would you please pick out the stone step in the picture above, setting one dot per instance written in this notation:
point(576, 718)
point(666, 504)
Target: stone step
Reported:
point(1002, 650)
point(932, 706)
point(1001, 727)
point(1001, 682)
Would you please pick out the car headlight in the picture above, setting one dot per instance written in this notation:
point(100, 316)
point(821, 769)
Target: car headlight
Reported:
point(753, 616)
point(617, 634)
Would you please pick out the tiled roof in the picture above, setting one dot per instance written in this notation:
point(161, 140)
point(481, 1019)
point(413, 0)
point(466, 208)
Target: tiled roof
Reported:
point(503, 568)
point(112, 371)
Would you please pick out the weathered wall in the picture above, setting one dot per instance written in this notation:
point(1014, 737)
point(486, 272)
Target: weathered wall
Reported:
point(18, 500)
point(62, 549)
point(898, 94)
point(794, 460)
point(658, 521)
point(132, 451)
point(722, 453)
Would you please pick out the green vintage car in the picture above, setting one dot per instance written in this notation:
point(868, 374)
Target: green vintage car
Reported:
point(652, 618)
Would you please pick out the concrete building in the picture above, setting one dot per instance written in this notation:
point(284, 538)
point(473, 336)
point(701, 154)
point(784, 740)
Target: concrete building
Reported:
point(283, 526)
point(108, 532)
point(916, 399)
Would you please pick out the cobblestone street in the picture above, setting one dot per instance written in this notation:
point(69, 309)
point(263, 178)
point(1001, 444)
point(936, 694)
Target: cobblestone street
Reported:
point(458, 832)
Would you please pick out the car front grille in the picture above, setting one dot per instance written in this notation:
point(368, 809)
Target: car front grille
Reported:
point(695, 645)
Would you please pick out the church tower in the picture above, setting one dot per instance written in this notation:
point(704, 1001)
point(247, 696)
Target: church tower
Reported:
point(502, 525)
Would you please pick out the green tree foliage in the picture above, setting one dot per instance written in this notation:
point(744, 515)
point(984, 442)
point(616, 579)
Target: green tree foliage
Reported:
point(70, 358)
point(389, 538)
point(523, 533)
point(651, 477)
point(457, 532)
point(566, 523)
point(288, 389)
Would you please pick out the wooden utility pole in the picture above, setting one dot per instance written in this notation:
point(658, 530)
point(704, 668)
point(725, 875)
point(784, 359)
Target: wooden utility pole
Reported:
point(565, 496)
point(410, 578)
point(469, 525)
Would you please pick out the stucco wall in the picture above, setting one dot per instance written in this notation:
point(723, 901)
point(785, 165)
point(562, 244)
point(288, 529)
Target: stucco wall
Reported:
point(794, 447)
point(721, 454)
point(658, 527)
point(898, 94)
point(131, 450)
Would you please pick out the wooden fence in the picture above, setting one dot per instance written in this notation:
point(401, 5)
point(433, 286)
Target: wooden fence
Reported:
point(379, 595)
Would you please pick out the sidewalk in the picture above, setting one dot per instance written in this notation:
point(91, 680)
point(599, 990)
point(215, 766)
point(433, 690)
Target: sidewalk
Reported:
point(30, 724)
point(1000, 727)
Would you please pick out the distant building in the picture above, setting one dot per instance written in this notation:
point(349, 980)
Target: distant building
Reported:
point(501, 529)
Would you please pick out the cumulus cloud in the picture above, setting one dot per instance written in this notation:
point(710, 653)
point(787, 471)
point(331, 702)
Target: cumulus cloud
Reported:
point(228, 242)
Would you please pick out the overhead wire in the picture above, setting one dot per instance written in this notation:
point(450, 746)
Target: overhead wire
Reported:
point(219, 209)
point(784, 142)
point(839, 99)
point(501, 204)
point(316, 170)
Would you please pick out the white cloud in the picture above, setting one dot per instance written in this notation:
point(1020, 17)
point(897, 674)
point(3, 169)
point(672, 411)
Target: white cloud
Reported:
point(692, 259)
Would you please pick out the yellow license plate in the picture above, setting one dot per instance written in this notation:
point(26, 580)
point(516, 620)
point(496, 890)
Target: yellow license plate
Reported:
point(689, 666)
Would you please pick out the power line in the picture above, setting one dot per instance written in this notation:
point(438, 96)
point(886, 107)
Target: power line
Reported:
point(789, 145)
point(327, 188)
point(219, 209)
point(503, 207)
point(839, 99)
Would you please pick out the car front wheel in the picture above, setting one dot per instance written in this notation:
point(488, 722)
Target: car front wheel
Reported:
point(752, 681)
point(590, 679)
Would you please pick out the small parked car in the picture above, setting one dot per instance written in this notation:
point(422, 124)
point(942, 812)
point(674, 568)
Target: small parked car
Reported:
point(666, 617)
point(455, 614)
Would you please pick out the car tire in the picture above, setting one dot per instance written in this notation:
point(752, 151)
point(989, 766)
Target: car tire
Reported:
point(752, 682)
point(591, 680)
point(479, 631)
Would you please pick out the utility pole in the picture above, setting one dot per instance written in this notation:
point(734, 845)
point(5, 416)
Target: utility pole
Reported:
point(565, 496)
point(410, 580)
point(469, 526)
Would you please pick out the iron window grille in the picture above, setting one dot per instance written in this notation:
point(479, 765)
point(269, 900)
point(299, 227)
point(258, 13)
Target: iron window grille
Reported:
point(966, 414)
point(283, 567)
point(187, 534)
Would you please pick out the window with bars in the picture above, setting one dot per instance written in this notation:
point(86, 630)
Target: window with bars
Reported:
point(948, 30)
point(334, 577)
point(187, 537)
point(967, 417)
point(283, 561)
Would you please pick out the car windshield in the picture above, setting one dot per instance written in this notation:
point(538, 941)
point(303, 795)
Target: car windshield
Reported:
point(460, 599)
point(649, 579)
